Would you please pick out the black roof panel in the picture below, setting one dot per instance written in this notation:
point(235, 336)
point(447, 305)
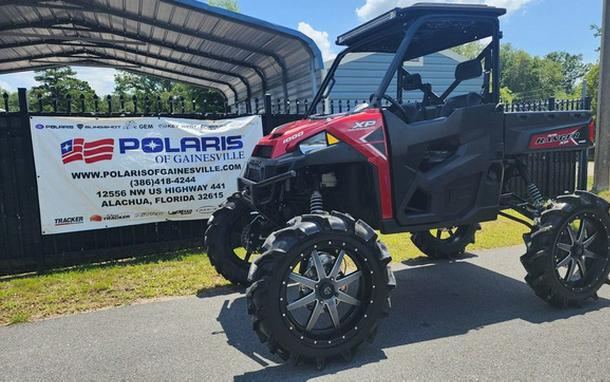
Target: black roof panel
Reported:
point(394, 20)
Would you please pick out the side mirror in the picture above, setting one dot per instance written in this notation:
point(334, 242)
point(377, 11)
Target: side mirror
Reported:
point(412, 82)
point(468, 70)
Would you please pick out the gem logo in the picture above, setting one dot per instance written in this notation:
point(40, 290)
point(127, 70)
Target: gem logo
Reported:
point(39, 126)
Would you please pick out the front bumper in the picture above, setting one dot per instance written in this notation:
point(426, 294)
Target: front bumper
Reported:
point(262, 192)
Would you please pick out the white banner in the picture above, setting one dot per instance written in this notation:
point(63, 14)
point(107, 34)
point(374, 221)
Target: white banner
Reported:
point(108, 172)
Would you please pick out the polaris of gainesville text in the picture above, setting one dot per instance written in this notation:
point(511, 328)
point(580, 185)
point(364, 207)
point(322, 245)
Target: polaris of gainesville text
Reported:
point(187, 149)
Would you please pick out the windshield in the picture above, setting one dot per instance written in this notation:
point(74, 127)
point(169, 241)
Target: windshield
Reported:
point(355, 80)
point(358, 78)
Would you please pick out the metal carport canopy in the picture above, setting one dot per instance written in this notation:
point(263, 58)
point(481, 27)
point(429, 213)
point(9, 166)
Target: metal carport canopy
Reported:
point(183, 40)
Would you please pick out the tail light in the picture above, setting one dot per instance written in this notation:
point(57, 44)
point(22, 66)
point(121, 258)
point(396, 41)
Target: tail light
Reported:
point(592, 131)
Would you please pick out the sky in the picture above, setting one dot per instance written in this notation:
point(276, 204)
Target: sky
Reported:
point(537, 26)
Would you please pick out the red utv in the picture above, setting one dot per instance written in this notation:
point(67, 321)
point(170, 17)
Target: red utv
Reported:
point(315, 190)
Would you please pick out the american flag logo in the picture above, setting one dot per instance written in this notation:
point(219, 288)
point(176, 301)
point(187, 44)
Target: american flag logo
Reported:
point(77, 149)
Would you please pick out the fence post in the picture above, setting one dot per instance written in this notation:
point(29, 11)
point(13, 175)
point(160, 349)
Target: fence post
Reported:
point(588, 101)
point(551, 103)
point(23, 100)
point(583, 161)
point(267, 115)
point(248, 106)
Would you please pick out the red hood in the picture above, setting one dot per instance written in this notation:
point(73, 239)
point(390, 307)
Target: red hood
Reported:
point(287, 137)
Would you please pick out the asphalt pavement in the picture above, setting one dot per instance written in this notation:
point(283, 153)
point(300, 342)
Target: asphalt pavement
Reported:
point(472, 319)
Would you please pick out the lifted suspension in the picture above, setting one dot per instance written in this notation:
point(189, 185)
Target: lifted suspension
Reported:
point(316, 203)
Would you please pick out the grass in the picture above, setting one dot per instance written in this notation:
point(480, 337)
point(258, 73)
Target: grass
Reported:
point(100, 286)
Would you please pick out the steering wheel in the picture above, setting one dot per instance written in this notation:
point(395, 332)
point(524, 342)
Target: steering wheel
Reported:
point(395, 104)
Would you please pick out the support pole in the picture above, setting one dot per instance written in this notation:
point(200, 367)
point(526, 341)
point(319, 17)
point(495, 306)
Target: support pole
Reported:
point(22, 96)
point(583, 160)
point(601, 180)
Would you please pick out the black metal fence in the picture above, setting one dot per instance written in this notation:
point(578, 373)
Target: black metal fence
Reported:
point(23, 248)
point(548, 104)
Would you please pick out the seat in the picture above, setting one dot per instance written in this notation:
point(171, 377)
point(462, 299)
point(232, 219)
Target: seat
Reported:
point(412, 112)
point(458, 102)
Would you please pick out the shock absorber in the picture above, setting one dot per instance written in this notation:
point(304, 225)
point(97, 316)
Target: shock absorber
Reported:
point(316, 203)
point(535, 195)
point(532, 190)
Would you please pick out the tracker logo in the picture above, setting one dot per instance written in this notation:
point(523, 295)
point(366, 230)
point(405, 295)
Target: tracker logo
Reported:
point(69, 220)
point(156, 145)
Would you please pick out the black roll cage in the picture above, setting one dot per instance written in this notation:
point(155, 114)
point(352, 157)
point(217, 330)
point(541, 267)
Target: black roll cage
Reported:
point(492, 51)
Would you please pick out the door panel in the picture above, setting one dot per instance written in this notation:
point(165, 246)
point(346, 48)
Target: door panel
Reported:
point(449, 169)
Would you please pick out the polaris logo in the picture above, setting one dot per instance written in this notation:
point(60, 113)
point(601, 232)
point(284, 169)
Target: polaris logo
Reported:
point(155, 145)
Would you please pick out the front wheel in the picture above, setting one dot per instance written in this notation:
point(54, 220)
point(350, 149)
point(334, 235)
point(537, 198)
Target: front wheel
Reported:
point(320, 288)
point(567, 258)
point(233, 237)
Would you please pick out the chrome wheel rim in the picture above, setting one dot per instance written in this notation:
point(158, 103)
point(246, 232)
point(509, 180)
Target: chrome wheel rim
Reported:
point(326, 292)
point(581, 253)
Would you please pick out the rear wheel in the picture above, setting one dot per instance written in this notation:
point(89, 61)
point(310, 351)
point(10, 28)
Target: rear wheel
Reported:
point(567, 257)
point(319, 288)
point(233, 239)
point(445, 243)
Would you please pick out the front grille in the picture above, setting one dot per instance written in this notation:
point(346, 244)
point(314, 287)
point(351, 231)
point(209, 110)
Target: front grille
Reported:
point(255, 170)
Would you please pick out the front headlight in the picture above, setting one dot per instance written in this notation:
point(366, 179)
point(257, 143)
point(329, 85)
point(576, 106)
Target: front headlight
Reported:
point(317, 142)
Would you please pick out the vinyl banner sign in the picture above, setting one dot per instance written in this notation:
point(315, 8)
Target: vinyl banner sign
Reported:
point(97, 173)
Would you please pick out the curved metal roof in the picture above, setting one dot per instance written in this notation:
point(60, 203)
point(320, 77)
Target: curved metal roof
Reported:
point(183, 40)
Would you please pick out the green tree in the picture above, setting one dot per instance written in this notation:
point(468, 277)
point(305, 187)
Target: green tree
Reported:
point(136, 84)
point(529, 76)
point(13, 101)
point(142, 86)
point(592, 76)
point(592, 80)
point(59, 83)
point(231, 5)
point(572, 66)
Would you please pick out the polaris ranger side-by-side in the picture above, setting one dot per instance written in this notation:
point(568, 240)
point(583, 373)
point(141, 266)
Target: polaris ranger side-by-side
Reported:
point(315, 190)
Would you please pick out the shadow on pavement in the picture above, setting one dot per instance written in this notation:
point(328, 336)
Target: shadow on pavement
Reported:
point(433, 300)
